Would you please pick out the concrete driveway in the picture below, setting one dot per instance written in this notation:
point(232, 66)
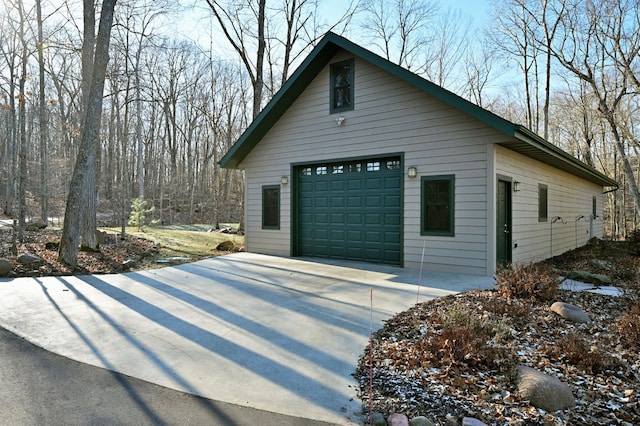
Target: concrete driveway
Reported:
point(277, 334)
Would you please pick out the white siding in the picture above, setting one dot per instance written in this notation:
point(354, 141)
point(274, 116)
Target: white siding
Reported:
point(569, 197)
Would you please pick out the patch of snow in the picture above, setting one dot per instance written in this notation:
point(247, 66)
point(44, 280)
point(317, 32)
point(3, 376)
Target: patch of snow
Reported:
point(574, 285)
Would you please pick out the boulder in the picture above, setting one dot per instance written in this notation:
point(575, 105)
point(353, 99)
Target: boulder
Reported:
point(570, 312)
point(586, 277)
point(377, 419)
point(602, 264)
point(599, 279)
point(35, 225)
point(29, 260)
point(225, 246)
point(579, 276)
point(5, 267)
point(397, 419)
point(421, 421)
point(543, 391)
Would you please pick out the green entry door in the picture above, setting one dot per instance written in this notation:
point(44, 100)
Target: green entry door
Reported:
point(503, 225)
point(351, 210)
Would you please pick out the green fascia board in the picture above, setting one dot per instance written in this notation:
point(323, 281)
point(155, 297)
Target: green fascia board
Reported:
point(330, 44)
point(572, 164)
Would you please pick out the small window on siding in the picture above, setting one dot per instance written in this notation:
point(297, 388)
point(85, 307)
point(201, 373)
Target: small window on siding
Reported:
point(341, 86)
point(271, 207)
point(438, 205)
point(542, 203)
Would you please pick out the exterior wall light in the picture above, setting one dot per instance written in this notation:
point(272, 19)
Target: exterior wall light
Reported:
point(516, 186)
point(284, 180)
point(412, 171)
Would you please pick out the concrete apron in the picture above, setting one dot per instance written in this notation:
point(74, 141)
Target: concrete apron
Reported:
point(277, 334)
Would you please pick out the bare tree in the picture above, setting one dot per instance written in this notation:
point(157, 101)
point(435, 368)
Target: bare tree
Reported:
point(79, 189)
point(137, 21)
point(22, 120)
point(513, 36)
point(479, 73)
point(42, 117)
point(448, 47)
point(10, 53)
point(398, 29)
point(243, 24)
point(591, 47)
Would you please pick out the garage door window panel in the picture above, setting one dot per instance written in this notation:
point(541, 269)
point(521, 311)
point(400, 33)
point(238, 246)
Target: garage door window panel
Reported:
point(438, 207)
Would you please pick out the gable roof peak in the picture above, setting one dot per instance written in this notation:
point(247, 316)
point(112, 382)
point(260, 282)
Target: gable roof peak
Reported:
point(525, 141)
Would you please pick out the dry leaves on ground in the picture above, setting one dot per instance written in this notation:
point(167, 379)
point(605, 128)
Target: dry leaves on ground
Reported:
point(113, 253)
point(456, 356)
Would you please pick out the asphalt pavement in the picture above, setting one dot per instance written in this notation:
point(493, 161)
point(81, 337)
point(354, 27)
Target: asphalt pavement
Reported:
point(43, 388)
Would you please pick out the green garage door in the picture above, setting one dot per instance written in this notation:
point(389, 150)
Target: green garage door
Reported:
point(351, 210)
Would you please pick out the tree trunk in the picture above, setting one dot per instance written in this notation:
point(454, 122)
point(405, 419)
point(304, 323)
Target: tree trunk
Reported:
point(44, 133)
point(22, 120)
point(84, 168)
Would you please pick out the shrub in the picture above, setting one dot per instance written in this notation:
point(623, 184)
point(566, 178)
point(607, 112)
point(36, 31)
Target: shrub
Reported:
point(463, 338)
point(576, 350)
point(514, 309)
point(629, 326)
point(530, 281)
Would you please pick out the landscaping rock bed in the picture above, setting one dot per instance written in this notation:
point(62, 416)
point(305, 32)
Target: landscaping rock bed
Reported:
point(456, 360)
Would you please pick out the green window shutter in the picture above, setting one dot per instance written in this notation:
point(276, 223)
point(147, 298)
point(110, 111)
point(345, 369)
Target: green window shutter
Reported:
point(271, 207)
point(438, 205)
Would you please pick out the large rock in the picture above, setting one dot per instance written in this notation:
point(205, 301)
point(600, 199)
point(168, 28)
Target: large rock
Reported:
point(35, 225)
point(570, 312)
point(599, 279)
point(544, 391)
point(397, 419)
point(421, 421)
point(377, 419)
point(29, 260)
point(602, 264)
point(225, 246)
point(587, 277)
point(579, 276)
point(5, 267)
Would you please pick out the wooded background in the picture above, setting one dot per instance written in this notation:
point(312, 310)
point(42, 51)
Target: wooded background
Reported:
point(173, 105)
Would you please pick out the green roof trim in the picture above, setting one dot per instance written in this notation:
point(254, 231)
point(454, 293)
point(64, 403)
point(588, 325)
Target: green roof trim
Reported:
point(525, 141)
